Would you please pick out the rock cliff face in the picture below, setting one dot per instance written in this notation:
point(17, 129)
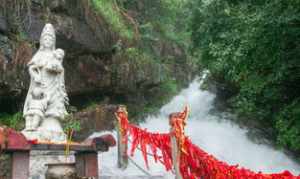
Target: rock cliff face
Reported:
point(101, 64)
point(99, 61)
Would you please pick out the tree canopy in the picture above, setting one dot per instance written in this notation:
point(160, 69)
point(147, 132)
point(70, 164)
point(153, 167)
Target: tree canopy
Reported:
point(254, 45)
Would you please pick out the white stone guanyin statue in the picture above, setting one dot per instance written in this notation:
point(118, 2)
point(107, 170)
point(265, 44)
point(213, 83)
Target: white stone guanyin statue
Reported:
point(44, 107)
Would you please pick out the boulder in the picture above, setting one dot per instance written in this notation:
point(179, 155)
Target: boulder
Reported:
point(97, 118)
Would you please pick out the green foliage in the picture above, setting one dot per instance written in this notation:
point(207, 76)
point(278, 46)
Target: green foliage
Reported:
point(109, 9)
point(21, 36)
point(133, 53)
point(13, 121)
point(169, 87)
point(164, 93)
point(161, 20)
point(92, 105)
point(288, 126)
point(174, 24)
point(71, 123)
point(254, 45)
point(139, 56)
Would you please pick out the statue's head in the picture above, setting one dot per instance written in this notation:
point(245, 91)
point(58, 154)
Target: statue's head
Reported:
point(59, 54)
point(47, 40)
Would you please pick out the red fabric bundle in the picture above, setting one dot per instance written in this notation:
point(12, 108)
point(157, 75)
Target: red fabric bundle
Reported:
point(146, 140)
point(196, 163)
point(177, 122)
point(123, 124)
point(155, 142)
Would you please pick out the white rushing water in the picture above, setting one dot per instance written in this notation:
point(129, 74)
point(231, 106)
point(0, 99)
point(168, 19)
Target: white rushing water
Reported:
point(213, 133)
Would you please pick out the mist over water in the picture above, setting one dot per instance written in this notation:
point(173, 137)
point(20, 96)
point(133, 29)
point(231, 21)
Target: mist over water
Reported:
point(214, 133)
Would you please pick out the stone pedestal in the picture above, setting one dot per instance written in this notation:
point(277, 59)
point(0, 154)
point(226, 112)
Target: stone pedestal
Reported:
point(20, 165)
point(87, 164)
point(61, 171)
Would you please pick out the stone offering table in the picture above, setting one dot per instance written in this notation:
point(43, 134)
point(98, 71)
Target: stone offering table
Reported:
point(86, 159)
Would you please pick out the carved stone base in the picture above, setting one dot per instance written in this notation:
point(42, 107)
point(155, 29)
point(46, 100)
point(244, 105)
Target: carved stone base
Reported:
point(61, 171)
point(45, 135)
point(50, 130)
point(30, 135)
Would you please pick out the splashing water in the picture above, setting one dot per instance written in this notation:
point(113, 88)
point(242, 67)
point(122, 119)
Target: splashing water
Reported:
point(214, 133)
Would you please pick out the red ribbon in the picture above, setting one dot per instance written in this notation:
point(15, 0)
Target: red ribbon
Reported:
point(194, 162)
point(155, 142)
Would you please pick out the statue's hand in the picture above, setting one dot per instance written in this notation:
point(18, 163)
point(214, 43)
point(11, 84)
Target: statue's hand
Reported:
point(57, 68)
point(34, 73)
point(54, 68)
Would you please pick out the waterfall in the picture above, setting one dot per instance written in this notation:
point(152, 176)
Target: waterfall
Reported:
point(212, 131)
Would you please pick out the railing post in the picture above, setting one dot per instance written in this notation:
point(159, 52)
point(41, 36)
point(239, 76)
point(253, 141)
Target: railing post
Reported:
point(175, 156)
point(177, 123)
point(122, 145)
point(122, 152)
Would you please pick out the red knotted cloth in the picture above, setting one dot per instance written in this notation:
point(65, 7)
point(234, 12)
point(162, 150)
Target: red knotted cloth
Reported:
point(194, 162)
point(158, 144)
point(177, 122)
point(122, 117)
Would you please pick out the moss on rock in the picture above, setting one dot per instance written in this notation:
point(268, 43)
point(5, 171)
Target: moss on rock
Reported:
point(112, 14)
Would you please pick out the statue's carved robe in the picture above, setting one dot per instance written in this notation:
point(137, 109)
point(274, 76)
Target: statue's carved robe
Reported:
point(51, 80)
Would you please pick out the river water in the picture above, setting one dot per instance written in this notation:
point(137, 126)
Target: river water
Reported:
point(212, 131)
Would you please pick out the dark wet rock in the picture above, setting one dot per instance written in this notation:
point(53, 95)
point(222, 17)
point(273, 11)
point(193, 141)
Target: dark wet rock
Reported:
point(3, 24)
point(95, 119)
point(5, 47)
point(96, 62)
point(57, 5)
point(224, 91)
